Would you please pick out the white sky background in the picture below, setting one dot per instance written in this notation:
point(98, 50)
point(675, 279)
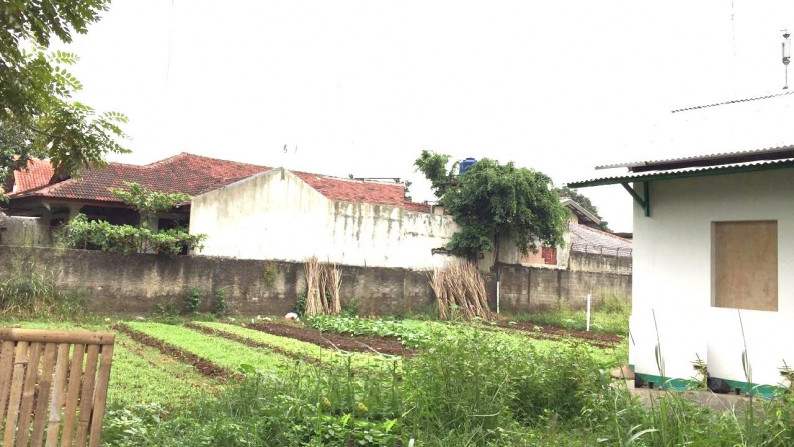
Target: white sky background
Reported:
point(361, 87)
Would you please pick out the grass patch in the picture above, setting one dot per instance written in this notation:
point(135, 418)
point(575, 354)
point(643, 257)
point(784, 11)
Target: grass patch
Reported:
point(600, 321)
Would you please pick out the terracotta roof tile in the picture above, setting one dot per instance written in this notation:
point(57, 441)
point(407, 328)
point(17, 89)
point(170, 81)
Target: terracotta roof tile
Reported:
point(36, 174)
point(356, 191)
point(194, 175)
point(187, 173)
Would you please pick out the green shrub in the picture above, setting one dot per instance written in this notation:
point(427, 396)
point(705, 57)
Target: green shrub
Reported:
point(100, 235)
point(193, 301)
point(219, 305)
point(350, 308)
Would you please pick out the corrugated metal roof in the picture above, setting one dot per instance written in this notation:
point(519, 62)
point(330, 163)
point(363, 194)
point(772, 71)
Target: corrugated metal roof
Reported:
point(771, 151)
point(590, 240)
point(733, 101)
point(687, 172)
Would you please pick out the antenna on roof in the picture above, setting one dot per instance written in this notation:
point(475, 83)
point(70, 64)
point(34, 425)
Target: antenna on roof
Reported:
point(786, 54)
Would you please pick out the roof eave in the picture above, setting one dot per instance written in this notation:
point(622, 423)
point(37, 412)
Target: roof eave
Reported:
point(582, 211)
point(680, 175)
point(770, 154)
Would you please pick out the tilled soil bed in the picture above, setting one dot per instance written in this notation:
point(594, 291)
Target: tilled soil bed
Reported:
point(550, 332)
point(356, 343)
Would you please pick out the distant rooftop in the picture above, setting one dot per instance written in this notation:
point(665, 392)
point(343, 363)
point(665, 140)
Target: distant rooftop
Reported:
point(191, 174)
point(585, 239)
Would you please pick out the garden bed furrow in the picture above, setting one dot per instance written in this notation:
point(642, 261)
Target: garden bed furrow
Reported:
point(366, 344)
point(248, 342)
point(201, 365)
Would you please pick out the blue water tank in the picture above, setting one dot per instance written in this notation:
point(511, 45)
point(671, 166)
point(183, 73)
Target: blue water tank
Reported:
point(466, 164)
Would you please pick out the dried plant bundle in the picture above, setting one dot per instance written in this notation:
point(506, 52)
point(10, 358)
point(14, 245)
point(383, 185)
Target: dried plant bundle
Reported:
point(460, 286)
point(311, 269)
point(334, 282)
point(323, 288)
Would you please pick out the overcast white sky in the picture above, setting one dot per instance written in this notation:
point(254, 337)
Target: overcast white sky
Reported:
point(361, 87)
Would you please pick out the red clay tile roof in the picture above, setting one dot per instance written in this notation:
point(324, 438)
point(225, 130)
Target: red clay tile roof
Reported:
point(194, 175)
point(186, 173)
point(36, 174)
point(356, 191)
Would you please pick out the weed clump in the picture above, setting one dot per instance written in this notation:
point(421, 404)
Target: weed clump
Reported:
point(32, 291)
point(219, 305)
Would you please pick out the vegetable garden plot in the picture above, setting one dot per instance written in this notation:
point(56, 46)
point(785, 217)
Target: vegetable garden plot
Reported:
point(356, 398)
point(226, 354)
point(379, 345)
point(199, 364)
point(283, 345)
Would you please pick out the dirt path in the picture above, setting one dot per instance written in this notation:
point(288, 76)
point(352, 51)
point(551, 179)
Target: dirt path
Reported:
point(248, 342)
point(532, 330)
point(203, 366)
point(330, 340)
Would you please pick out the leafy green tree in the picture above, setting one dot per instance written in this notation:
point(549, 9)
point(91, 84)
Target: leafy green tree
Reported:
point(583, 200)
point(15, 150)
point(492, 200)
point(147, 202)
point(38, 116)
point(434, 167)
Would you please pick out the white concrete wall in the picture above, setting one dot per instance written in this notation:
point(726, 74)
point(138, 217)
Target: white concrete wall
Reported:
point(276, 215)
point(672, 275)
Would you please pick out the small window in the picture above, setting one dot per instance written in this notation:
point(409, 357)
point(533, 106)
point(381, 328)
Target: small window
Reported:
point(549, 255)
point(744, 265)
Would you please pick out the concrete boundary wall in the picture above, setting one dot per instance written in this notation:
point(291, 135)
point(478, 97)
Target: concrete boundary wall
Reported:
point(129, 283)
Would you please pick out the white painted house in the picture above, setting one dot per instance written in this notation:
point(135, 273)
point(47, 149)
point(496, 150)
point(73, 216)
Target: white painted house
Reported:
point(285, 215)
point(713, 257)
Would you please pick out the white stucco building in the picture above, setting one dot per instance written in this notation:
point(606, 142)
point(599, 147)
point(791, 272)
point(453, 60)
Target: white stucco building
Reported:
point(712, 264)
point(285, 215)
